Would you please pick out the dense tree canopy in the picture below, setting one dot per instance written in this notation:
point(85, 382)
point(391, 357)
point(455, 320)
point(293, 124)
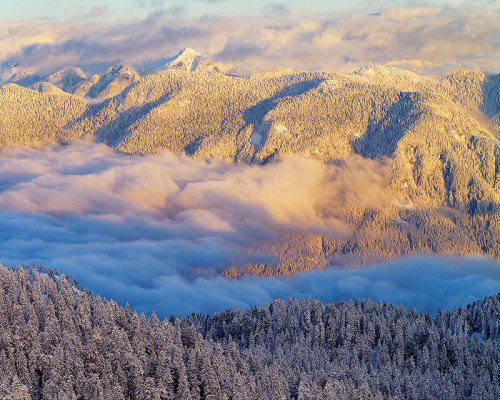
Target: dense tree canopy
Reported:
point(58, 341)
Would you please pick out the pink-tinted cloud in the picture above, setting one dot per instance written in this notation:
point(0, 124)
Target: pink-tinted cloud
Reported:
point(439, 39)
point(140, 229)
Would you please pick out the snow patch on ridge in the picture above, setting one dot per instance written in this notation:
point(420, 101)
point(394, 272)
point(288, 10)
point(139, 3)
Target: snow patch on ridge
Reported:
point(186, 60)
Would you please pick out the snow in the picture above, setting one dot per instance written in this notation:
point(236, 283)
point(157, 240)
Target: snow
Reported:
point(7, 70)
point(281, 130)
point(374, 358)
point(478, 336)
point(404, 203)
point(72, 75)
point(186, 60)
point(387, 75)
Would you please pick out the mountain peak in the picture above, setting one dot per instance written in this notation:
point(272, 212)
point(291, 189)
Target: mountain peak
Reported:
point(8, 70)
point(389, 75)
point(12, 72)
point(186, 60)
point(66, 78)
point(111, 83)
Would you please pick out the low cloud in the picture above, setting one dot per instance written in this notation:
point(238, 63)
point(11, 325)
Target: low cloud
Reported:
point(426, 283)
point(440, 39)
point(87, 179)
point(140, 229)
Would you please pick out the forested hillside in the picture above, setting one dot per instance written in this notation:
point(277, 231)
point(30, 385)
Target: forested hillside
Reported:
point(441, 136)
point(58, 341)
point(437, 142)
point(30, 118)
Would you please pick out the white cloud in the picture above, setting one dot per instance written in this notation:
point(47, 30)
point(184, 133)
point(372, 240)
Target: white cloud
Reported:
point(138, 229)
point(441, 38)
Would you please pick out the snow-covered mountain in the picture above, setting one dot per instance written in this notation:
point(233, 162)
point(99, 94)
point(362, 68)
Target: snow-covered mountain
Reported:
point(72, 80)
point(114, 81)
point(187, 60)
point(110, 84)
point(67, 78)
point(425, 126)
point(441, 137)
point(13, 72)
point(8, 70)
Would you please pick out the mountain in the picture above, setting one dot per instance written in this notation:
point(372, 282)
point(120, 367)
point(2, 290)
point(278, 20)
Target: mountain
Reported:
point(476, 89)
point(33, 118)
point(48, 88)
point(66, 79)
point(188, 60)
point(8, 71)
point(440, 138)
point(12, 72)
point(429, 129)
point(59, 341)
point(110, 84)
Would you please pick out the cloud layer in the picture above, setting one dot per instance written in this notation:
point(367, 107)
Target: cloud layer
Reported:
point(439, 38)
point(140, 229)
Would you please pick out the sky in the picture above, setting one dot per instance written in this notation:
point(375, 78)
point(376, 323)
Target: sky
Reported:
point(122, 10)
point(119, 10)
point(431, 37)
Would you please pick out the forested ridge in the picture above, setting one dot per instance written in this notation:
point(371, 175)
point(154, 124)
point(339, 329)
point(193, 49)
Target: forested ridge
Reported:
point(442, 136)
point(58, 341)
point(440, 140)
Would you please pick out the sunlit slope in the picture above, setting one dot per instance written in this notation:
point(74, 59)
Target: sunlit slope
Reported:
point(475, 88)
point(442, 151)
point(441, 138)
point(203, 114)
point(30, 118)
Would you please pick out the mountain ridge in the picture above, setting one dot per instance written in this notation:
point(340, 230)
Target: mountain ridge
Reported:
point(374, 112)
point(441, 137)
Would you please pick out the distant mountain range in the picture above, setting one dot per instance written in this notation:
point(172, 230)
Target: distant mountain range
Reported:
point(442, 138)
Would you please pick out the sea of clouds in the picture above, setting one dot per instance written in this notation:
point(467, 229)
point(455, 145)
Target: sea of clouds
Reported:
point(425, 38)
point(140, 229)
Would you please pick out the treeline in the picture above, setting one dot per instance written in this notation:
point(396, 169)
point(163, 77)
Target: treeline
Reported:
point(58, 341)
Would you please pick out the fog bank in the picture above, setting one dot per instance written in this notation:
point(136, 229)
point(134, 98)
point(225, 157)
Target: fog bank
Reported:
point(140, 229)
